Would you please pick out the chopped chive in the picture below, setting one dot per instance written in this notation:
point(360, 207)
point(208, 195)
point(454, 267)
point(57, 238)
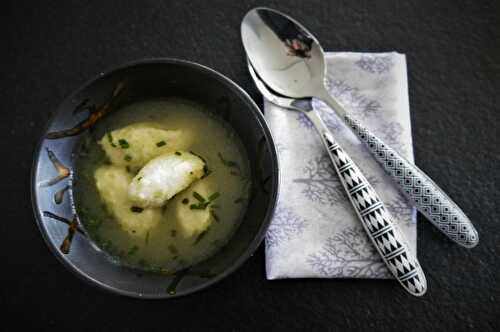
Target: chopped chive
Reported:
point(161, 143)
point(173, 249)
point(228, 163)
point(216, 217)
point(206, 171)
point(132, 250)
point(203, 203)
point(128, 169)
point(147, 238)
point(139, 178)
point(201, 236)
point(127, 158)
point(110, 139)
point(173, 233)
point(178, 153)
point(214, 196)
point(198, 197)
point(123, 143)
point(136, 209)
point(185, 201)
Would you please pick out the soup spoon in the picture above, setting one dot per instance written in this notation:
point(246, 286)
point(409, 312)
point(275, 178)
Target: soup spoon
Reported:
point(386, 236)
point(291, 62)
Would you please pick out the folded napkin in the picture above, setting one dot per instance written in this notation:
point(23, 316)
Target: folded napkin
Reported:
point(315, 232)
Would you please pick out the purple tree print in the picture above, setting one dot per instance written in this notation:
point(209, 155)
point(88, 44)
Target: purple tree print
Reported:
point(320, 183)
point(284, 226)
point(348, 253)
point(375, 64)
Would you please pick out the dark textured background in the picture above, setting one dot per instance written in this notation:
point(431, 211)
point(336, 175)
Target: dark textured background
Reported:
point(49, 48)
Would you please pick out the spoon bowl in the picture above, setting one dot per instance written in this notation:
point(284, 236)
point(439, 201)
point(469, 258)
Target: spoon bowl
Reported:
point(287, 57)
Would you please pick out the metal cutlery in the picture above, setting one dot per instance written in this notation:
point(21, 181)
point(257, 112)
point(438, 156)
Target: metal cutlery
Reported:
point(291, 62)
point(386, 236)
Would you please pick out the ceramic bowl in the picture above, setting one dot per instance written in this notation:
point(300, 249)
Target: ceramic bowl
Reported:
point(108, 92)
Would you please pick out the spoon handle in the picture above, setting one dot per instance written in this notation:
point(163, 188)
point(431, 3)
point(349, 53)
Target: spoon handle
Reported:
point(427, 197)
point(388, 239)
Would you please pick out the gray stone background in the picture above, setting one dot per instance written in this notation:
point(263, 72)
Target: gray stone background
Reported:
point(50, 47)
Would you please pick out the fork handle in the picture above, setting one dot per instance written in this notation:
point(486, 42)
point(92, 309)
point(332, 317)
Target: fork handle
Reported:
point(388, 239)
point(422, 192)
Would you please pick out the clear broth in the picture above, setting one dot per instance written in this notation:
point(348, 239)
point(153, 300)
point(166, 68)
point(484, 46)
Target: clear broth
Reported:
point(164, 250)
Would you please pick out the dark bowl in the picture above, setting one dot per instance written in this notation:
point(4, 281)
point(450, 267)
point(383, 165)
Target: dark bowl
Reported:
point(52, 173)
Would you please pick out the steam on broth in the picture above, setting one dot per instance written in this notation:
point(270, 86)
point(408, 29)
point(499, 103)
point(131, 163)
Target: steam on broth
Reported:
point(161, 185)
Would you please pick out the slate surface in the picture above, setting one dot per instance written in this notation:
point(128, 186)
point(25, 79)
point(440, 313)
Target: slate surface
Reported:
point(48, 49)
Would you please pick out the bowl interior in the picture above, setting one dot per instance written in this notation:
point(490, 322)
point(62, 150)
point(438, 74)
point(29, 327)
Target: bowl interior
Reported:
point(152, 79)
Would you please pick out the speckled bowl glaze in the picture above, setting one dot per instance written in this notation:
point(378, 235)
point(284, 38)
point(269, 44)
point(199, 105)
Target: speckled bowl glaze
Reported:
point(108, 92)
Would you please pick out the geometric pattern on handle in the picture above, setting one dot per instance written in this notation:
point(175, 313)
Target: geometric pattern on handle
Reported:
point(382, 231)
point(422, 192)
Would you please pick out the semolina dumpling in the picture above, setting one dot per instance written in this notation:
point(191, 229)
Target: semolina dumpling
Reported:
point(191, 222)
point(163, 177)
point(136, 144)
point(112, 184)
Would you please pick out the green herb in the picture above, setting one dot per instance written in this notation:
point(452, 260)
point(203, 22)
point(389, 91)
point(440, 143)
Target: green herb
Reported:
point(123, 143)
point(214, 196)
point(173, 233)
point(201, 236)
point(139, 178)
point(203, 203)
point(128, 169)
point(200, 206)
point(161, 143)
point(110, 139)
point(185, 201)
point(228, 163)
point(136, 209)
point(178, 153)
point(231, 164)
point(206, 171)
point(198, 197)
point(216, 217)
point(132, 250)
point(127, 157)
point(147, 238)
point(173, 249)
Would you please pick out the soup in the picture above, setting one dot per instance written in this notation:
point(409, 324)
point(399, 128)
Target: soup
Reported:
point(161, 185)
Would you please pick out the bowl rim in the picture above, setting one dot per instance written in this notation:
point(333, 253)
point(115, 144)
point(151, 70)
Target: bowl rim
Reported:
point(274, 192)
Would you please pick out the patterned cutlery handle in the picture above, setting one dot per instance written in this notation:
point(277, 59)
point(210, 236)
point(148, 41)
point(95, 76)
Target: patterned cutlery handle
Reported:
point(382, 231)
point(428, 198)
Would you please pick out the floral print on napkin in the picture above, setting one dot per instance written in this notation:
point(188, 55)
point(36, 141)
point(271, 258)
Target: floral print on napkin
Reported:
point(314, 231)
